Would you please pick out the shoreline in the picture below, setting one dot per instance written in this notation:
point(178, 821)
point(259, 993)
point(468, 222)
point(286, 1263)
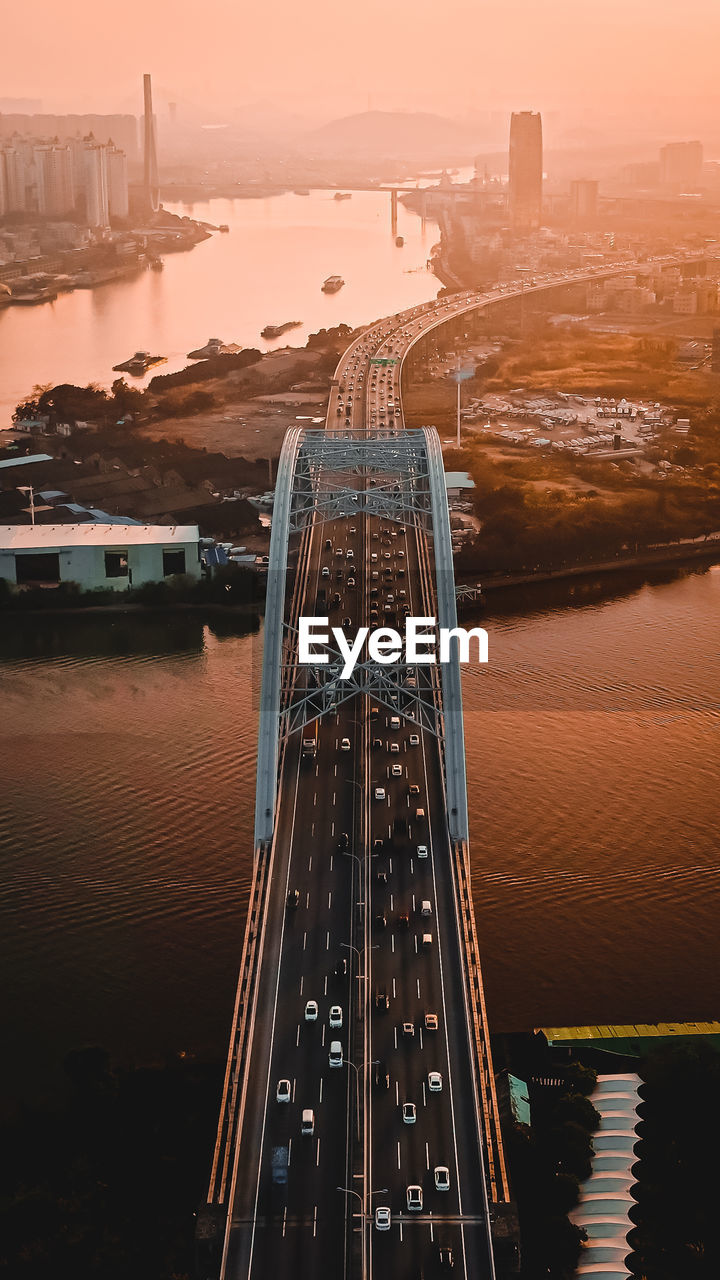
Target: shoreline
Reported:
point(684, 551)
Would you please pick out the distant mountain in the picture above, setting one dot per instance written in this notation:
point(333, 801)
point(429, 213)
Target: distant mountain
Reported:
point(406, 135)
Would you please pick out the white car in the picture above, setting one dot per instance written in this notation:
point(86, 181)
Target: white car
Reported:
point(422, 851)
point(382, 1218)
point(379, 793)
point(335, 1015)
point(414, 740)
point(409, 1114)
point(395, 747)
point(345, 744)
point(442, 1178)
point(434, 1082)
point(396, 770)
point(311, 1011)
point(415, 1198)
point(284, 1091)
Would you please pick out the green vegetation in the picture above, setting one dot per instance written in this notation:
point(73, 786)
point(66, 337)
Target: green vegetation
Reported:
point(548, 1161)
point(231, 586)
point(104, 1185)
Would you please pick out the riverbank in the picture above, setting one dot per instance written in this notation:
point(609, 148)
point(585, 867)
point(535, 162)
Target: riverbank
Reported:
point(684, 551)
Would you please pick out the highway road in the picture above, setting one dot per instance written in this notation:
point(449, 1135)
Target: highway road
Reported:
point(356, 935)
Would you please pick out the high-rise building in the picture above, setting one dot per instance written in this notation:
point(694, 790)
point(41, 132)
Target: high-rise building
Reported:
point(681, 165)
point(117, 182)
point(15, 179)
point(525, 170)
point(583, 198)
point(97, 213)
point(54, 179)
point(152, 183)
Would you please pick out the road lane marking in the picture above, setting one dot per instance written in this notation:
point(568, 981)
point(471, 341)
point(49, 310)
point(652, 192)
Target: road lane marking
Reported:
point(321, 1087)
point(289, 1150)
point(310, 863)
point(394, 991)
point(398, 1154)
point(317, 1162)
point(327, 940)
point(332, 859)
point(302, 979)
point(315, 1210)
point(334, 800)
point(418, 987)
point(315, 798)
point(427, 1157)
point(329, 899)
point(307, 899)
point(305, 940)
point(284, 1219)
point(297, 1038)
point(392, 943)
point(424, 1094)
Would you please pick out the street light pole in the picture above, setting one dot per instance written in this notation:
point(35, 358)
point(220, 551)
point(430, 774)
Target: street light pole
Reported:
point(27, 488)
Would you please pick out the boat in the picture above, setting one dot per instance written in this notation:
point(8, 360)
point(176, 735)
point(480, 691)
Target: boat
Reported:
point(156, 264)
point(301, 191)
point(223, 227)
point(263, 501)
point(399, 240)
point(332, 284)
point(277, 330)
point(342, 195)
point(138, 363)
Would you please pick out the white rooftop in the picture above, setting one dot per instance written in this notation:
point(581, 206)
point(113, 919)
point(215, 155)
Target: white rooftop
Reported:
point(40, 537)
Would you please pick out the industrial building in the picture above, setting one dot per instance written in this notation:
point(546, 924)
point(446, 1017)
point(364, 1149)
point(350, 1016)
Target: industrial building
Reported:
point(110, 556)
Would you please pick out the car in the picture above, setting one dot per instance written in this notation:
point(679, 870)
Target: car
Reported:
point(425, 907)
point(328, 544)
point(395, 747)
point(376, 743)
point(409, 1113)
point(445, 1258)
point(293, 899)
point(379, 793)
point(442, 1177)
point(325, 572)
point(382, 1001)
point(353, 529)
point(394, 722)
point(415, 1198)
point(431, 1022)
point(343, 842)
point(408, 1029)
point(382, 1218)
point(345, 744)
point(378, 844)
point(381, 920)
point(396, 770)
point(419, 815)
point(347, 623)
point(434, 1082)
point(311, 1011)
point(336, 1056)
point(414, 789)
point(341, 967)
point(283, 1092)
point(422, 851)
point(414, 739)
point(307, 1127)
point(351, 583)
point(403, 920)
point(335, 1017)
point(349, 554)
point(338, 553)
point(381, 877)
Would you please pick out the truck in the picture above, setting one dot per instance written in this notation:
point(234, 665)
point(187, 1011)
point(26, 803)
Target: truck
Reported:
point(280, 1160)
point(309, 741)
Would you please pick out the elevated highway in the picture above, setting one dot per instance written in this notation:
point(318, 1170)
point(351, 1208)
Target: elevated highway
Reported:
point(361, 890)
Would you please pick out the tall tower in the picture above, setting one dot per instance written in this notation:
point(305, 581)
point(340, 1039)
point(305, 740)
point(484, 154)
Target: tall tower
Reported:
point(525, 170)
point(152, 184)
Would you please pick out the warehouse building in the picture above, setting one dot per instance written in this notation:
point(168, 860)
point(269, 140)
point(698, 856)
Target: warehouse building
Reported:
point(110, 556)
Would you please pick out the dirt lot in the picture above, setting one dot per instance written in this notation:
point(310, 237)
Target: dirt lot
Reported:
point(247, 428)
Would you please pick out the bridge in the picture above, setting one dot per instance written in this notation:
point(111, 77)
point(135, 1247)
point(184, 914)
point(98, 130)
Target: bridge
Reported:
point(359, 1133)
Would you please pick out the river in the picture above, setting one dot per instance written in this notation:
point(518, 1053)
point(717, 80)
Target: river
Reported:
point(128, 749)
point(267, 270)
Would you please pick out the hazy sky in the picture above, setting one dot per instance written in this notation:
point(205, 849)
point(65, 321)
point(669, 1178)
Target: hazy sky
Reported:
point(657, 58)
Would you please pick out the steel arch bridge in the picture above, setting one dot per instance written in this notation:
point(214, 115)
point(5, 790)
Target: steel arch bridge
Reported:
point(324, 476)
